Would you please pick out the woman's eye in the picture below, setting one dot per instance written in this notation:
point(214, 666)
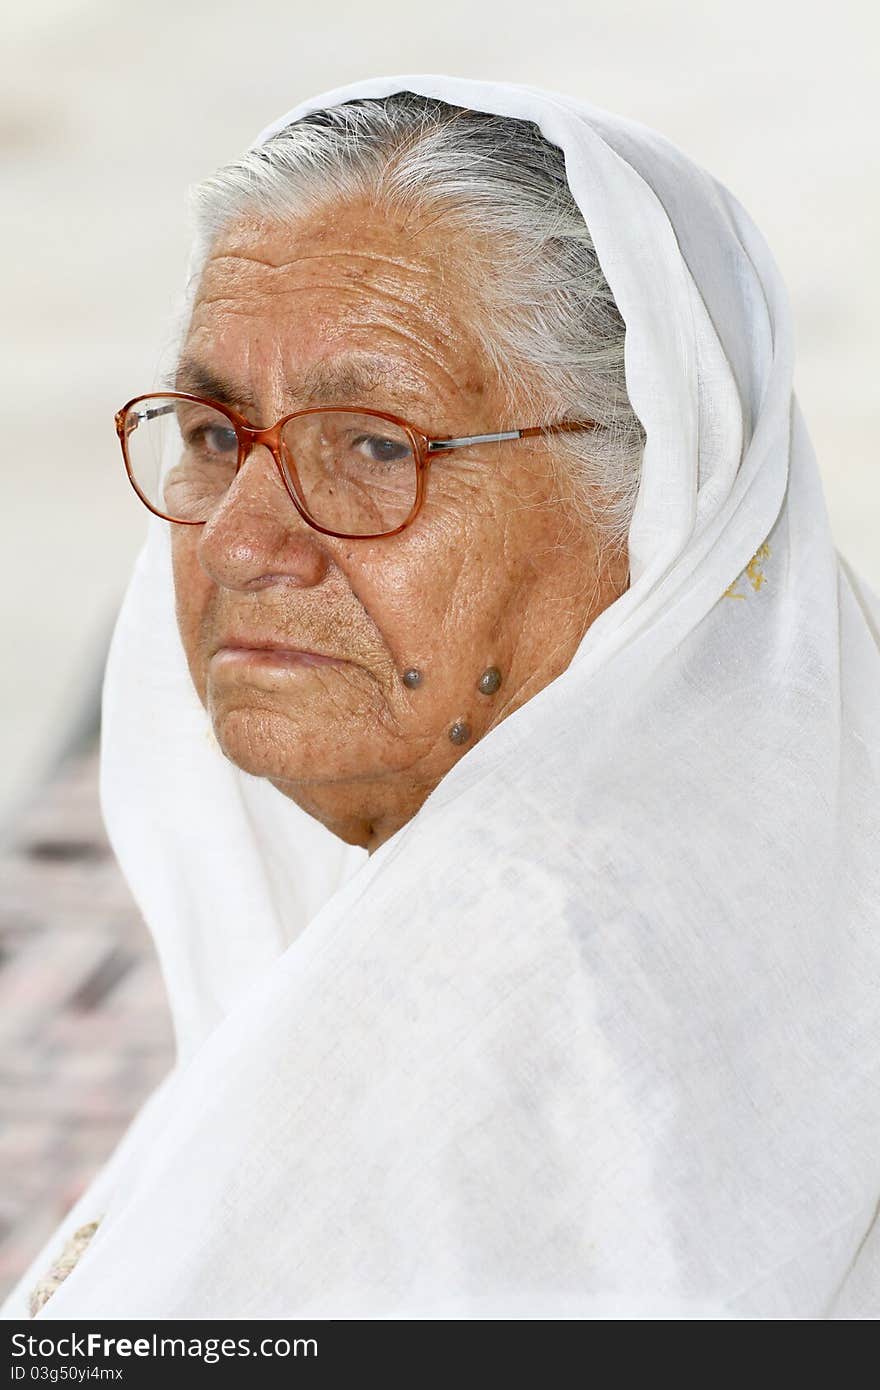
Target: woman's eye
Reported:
point(381, 450)
point(219, 440)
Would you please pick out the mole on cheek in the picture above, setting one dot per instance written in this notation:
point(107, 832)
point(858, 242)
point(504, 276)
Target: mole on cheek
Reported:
point(460, 730)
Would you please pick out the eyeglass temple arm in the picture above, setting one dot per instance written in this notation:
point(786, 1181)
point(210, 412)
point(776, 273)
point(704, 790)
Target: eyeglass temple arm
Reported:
point(141, 414)
point(437, 445)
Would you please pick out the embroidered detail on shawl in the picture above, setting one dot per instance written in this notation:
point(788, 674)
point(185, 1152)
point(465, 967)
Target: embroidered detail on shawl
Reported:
point(752, 571)
point(62, 1266)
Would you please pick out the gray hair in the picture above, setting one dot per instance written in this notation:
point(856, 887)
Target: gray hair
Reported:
point(544, 314)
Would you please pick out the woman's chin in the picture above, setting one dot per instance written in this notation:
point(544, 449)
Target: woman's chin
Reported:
point(262, 742)
point(281, 747)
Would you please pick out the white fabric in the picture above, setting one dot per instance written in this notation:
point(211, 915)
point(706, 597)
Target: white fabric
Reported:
point(596, 1034)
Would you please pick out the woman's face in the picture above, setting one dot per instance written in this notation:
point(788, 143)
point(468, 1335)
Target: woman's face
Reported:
point(494, 572)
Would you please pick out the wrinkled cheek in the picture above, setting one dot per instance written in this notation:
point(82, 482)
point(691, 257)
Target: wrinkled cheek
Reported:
point(192, 592)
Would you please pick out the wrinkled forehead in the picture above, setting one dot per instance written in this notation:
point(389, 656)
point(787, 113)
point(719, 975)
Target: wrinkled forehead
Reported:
point(335, 305)
point(350, 245)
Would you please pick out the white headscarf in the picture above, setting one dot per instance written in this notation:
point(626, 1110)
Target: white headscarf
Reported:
point(597, 1033)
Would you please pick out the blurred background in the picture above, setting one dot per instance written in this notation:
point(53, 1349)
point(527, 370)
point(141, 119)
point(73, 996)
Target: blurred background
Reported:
point(107, 113)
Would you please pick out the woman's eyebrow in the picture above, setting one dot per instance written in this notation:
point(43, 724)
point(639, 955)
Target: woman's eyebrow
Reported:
point(344, 382)
point(200, 380)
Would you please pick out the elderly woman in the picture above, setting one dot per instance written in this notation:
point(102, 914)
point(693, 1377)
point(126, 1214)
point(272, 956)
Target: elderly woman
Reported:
point(490, 743)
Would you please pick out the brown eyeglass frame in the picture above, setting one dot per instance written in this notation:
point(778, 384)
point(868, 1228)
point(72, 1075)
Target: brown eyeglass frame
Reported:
point(424, 448)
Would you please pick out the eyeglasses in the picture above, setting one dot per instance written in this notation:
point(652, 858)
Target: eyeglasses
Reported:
point(349, 471)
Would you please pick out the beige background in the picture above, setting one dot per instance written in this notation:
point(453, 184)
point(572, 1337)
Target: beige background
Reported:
point(108, 111)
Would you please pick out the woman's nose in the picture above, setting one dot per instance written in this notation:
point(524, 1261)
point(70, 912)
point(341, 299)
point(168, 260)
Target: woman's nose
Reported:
point(256, 537)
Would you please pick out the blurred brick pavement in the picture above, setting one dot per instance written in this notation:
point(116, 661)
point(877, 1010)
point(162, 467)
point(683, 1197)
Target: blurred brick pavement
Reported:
point(85, 1032)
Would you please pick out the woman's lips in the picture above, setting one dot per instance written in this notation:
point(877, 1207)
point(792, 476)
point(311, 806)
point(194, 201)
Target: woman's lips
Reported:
point(272, 656)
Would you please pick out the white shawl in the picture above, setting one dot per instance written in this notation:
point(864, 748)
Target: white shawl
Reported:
point(596, 1034)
